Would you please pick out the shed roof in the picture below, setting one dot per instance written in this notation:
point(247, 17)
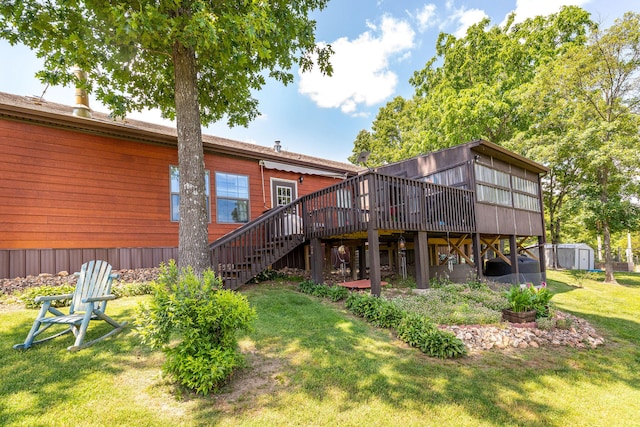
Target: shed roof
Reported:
point(40, 111)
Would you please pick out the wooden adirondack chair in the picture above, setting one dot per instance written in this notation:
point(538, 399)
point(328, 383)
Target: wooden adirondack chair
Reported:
point(88, 302)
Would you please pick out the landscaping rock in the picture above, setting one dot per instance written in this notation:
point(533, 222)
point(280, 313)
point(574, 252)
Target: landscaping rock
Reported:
point(481, 337)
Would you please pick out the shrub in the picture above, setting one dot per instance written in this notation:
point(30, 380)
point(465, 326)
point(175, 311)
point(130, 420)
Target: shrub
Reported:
point(132, 289)
point(363, 305)
point(443, 344)
point(337, 293)
point(564, 323)
point(194, 321)
point(320, 290)
point(29, 295)
point(546, 323)
point(420, 332)
point(306, 287)
point(413, 329)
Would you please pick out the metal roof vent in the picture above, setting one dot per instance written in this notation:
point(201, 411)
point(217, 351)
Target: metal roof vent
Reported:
point(277, 147)
point(81, 109)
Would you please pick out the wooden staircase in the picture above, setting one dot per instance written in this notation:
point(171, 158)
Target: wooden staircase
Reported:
point(246, 252)
point(352, 207)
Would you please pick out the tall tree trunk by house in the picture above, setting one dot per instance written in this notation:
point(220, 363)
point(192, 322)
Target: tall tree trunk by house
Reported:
point(193, 250)
point(603, 178)
point(608, 259)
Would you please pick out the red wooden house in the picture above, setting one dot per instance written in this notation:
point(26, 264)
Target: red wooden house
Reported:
point(75, 188)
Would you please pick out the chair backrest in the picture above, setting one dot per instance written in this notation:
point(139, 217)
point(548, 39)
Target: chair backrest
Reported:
point(94, 280)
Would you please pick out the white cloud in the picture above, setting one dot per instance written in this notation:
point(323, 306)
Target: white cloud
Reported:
point(462, 17)
point(467, 18)
point(361, 73)
point(529, 8)
point(426, 17)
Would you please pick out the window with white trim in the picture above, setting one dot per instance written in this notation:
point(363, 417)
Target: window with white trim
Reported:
point(232, 198)
point(174, 188)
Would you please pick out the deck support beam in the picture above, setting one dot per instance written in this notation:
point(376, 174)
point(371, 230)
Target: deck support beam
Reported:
point(317, 258)
point(513, 255)
point(477, 256)
point(422, 259)
point(374, 262)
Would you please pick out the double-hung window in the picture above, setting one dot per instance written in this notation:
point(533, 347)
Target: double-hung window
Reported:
point(174, 174)
point(232, 198)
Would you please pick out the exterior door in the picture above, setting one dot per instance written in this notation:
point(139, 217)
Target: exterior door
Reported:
point(283, 192)
point(584, 259)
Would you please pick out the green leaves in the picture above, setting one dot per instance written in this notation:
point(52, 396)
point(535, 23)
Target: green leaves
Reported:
point(195, 323)
point(126, 48)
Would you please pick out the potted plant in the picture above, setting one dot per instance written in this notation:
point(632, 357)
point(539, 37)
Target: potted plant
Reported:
point(521, 305)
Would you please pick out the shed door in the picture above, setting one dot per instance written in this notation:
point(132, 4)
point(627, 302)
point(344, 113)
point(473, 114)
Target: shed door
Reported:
point(283, 192)
point(583, 259)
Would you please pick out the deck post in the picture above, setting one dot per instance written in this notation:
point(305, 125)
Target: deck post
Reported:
point(352, 263)
point(542, 258)
point(421, 246)
point(362, 263)
point(374, 239)
point(477, 258)
point(374, 262)
point(317, 258)
point(513, 250)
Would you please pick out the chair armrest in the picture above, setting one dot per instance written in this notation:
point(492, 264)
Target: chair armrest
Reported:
point(43, 298)
point(114, 276)
point(108, 297)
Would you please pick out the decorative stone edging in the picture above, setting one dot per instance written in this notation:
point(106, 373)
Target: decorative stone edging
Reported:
point(526, 335)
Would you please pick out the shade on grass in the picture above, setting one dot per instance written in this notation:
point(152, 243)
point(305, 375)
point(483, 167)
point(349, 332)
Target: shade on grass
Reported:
point(312, 363)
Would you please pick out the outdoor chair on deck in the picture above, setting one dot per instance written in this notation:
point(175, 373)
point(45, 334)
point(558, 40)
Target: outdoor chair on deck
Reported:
point(88, 302)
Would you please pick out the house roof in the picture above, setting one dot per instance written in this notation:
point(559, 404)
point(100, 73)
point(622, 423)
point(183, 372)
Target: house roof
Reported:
point(43, 112)
point(502, 153)
point(490, 149)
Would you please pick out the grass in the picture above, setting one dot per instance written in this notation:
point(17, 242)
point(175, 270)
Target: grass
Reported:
point(312, 363)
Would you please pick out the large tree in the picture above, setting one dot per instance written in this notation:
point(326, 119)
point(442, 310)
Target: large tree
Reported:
point(471, 88)
point(587, 108)
point(197, 61)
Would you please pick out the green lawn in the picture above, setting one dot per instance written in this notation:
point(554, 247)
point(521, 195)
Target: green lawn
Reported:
point(312, 363)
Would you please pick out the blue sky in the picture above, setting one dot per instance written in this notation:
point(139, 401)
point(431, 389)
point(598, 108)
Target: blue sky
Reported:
point(378, 45)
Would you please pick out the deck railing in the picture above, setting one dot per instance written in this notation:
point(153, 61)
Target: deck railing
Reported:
point(392, 203)
point(351, 206)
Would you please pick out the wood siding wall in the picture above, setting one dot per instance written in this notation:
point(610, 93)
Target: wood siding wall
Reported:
point(66, 190)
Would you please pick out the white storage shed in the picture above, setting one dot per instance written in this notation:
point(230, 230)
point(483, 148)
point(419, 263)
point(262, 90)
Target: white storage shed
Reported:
point(572, 256)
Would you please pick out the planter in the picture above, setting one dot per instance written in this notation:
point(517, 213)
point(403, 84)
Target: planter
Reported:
point(518, 317)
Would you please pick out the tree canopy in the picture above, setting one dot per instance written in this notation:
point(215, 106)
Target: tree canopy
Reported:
point(557, 89)
point(197, 61)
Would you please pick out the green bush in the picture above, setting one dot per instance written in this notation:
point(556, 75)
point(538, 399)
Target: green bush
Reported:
point(306, 287)
point(337, 293)
point(194, 321)
point(443, 344)
point(363, 305)
point(414, 328)
point(378, 311)
point(418, 331)
point(546, 323)
point(132, 289)
point(29, 295)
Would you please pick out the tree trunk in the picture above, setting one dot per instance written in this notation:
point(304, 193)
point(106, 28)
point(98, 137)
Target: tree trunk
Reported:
point(608, 258)
point(193, 249)
point(606, 230)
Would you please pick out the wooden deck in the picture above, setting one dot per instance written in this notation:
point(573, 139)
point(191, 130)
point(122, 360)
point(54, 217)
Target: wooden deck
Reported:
point(359, 284)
